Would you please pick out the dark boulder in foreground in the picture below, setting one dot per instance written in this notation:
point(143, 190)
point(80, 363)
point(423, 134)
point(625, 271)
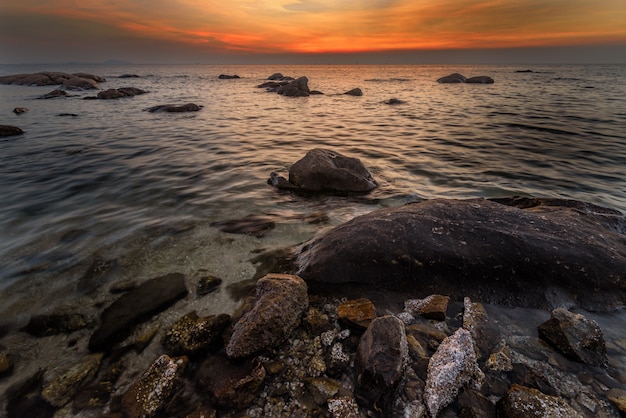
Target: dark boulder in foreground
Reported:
point(8, 130)
point(550, 253)
point(323, 170)
point(189, 107)
point(459, 78)
point(135, 306)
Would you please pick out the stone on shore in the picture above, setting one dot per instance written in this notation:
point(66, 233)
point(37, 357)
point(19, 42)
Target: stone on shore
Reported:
point(132, 308)
point(354, 92)
point(8, 130)
point(323, 170)
point(452, 367)
point(149, 395)
point(281, 300)
point(431, 307)
point(193, 334)
point(550, 253)
point(575, 336)
point(381, 358)
point(122, 92)
point(189, 107)
point(358, 313)
point(525, 402)
point(56, 323)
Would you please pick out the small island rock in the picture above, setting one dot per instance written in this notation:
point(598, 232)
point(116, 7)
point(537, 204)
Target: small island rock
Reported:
point(8, 130)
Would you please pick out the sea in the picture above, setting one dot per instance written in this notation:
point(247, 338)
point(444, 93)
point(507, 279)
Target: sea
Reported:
point(106, 184)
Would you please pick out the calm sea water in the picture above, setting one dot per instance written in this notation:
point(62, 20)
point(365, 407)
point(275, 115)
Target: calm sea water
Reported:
point(133, 193)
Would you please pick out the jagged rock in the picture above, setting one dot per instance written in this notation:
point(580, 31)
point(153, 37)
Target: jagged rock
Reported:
point(575, 336)
point(525, 402)
point(344, 407)
point(134, 307)
point(20, 110)
point(431, 307)
point(281, 300)
point(233, 384)
point(359, 312)
point(354, 92)
point(551, 252)
point(62, 389)
point(382, 356)
point(111, 94)
point(452, 367)
point(323, 170)
point(150, 393)
point(452, 78)
point(228, 77)
point(484, 332)
point(500, 360)
point(322, 388)
point(192, 334)
point(316, 322)
point(473, 404)
point(189, 107)
point(8, 130)
point(296, 88)
point(481, 79)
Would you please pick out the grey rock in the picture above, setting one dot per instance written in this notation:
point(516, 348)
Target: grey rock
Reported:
point(575, 336)
point(489, 251)
point(81, 81)
point(481, 79)
point(54, 94)
point(296, 88)
point(20, 110)
point(189, 107)
point(122, 92)
point(281, 300)
point(452, 78)
point(8, 130)
point(525, 402)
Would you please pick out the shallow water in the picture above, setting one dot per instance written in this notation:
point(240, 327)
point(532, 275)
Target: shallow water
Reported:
point(116, 183)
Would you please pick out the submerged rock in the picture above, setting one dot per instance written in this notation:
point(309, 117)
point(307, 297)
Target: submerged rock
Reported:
point(134, 307)
point(543, 256)
point(452, 367)
point(56, 323)
point(257, 225)
point(575, 336)
point(8, 130)
point(63, 388)
point(281, 300)
point(228, 77)
point(323, 170)
point(148, 395)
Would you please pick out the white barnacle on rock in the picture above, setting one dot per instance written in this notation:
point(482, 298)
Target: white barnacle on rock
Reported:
point(451, 367)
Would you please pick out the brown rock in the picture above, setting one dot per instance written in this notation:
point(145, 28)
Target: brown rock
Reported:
point(525, 402)
point(20, 110)
point(432, 307)
point(8, 130)
point(62, 389)
point(354, 92)
point(192, 334)
point(359, 312)
point(618, 397)
point(6, 364)
point(452, 78)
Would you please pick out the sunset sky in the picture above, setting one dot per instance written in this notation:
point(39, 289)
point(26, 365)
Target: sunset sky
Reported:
point(241, 31)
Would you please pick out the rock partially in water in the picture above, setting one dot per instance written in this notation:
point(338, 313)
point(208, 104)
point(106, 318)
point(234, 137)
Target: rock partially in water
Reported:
point(296, 88)
point(193, 334)
point(148, 395)
point(20, 110)
point(281, 300)
point(394, 101)
point(452, 367)
point(228, 76)
point(122, 92)
point(48, 78)
point(575, 336)
point(357, 313)
point(323, 170)
point(208, 284)
point(354, 92)
point(381, 358)
point(431, 307)
point(54, 94)
point(525, 402)
point(8, 130)
point(481, 79)
point(452, 78)
point(544, 256)
point(132, 308)
point(57, 323)
point(169, 108)
point(233, 384)
point(63, 388)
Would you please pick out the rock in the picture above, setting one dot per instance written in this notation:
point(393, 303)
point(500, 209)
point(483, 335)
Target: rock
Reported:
point(111, 94)
point(227, 77)
point(150, 393)
point(452, 78)
point(381, 358)
point(344, 407)
point(208, 284)
point(485, 333)
point(543, 256)
point(500, 360)
point(98, 273)
point(358, 313)
point(189, 107)
point(272, 85)
point(233, 384)
point(56, 323)
point(432, 307)
point(134, 307)
point(281, 300)
point(316, 321)
point(20, 110)
point(192, 334)
point(296, 88)
point(354, 92)
point(6, 364)
point(78, 80)
point(618, 397)
point(481, 79)
point(54, 94)
point(79, 83)
point(394, 101)
point(575, 336)
point(128, 76)
point(88, 76)
point(525, 402)
point(276, 76)
point(323, 170)
point(452, 367)
point(256, 225)
point(68, 114)
point(62, 389)
point(322, 388)
point(8, 130)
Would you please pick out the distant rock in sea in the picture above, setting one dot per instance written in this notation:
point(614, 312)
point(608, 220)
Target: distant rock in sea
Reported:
point(228, 77)
point(354, 92)
point(8, 130)
point(120, 93)
point(78, 81)
point(189, 107)
point(459, 78)
point(20, 110)
point(54, 94)
point(128, 76)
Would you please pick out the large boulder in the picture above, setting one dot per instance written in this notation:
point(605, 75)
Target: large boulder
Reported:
point(551, 253)
point(323, 170)
point(452, 78)
point(281, 300)
point(524, 402)
point(296, 88)
point(120, 93)
point(81, 81)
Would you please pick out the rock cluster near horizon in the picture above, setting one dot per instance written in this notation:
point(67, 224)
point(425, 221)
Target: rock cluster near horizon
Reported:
point(459, 78)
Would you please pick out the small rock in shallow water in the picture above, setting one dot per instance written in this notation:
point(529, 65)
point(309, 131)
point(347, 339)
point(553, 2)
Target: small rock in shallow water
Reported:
point(8, 130)
point(354, 92)
point(62, 389)
point(20, 110)
point(208, 284)
point(192, 334)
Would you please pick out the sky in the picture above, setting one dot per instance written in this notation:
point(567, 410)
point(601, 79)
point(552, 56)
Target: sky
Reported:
point(313, 31)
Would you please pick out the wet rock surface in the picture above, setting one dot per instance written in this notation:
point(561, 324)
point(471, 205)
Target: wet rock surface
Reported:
point(549, 254)
point(323, 170)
